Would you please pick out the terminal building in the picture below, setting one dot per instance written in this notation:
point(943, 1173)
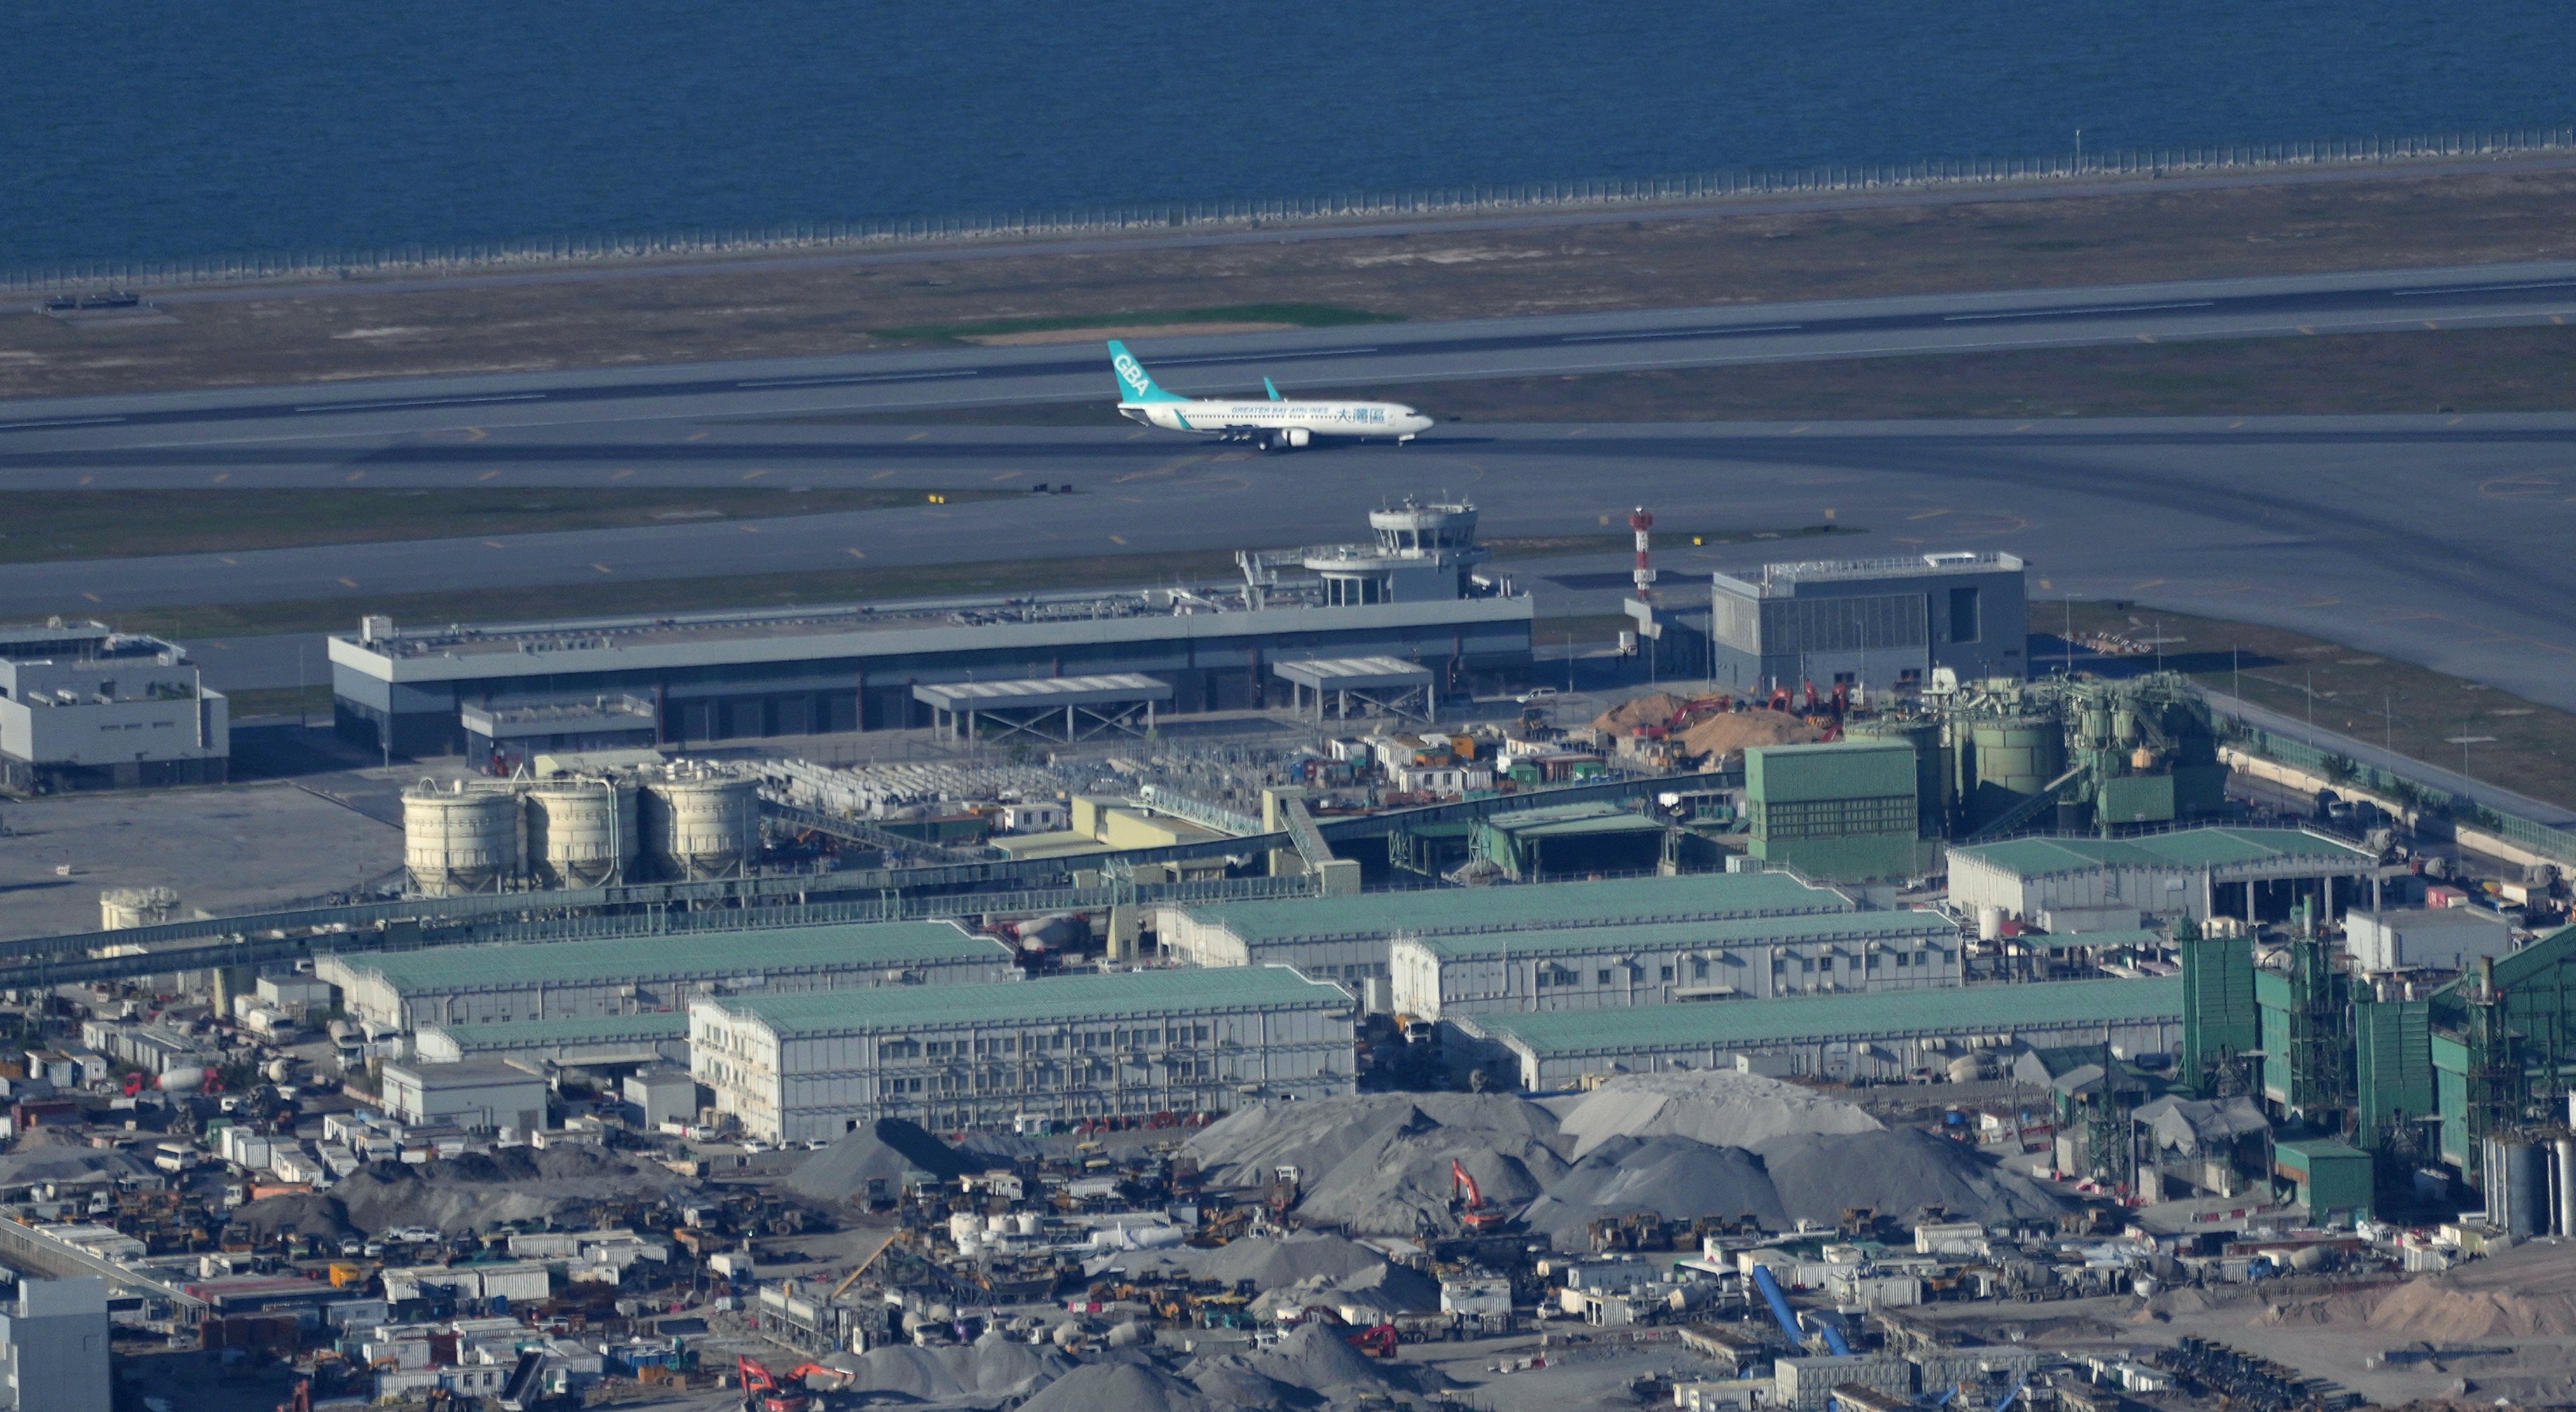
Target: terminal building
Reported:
point(83, 706)
point(451, 986)
point(1880, 624)
point(1610, 967)
point(1349, 939)
point(1889, 1035)
point(795, 1068)
point(1411, 594)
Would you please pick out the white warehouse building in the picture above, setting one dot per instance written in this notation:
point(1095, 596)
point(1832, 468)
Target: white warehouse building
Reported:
point(571, 980)
point(1594, 968)
point(1348, 938)
point(794, 1068)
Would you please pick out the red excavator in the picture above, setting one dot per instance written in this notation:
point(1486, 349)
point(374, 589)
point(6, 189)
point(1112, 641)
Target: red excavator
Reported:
point(765, 1391)
point(1475, 1214)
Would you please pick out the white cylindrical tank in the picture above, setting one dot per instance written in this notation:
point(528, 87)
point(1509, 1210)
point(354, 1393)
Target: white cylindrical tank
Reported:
point(458, 841)
point(1990, 923)
point(122, 907)
point(581, 833)
point(2567, 1186)
point(705, 827)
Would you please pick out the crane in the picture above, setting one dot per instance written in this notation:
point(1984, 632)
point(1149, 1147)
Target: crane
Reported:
point(861, 1268)
point(765, 1391)
point(1788, 1317)
point(2015, 1391)
point(1478, 1217)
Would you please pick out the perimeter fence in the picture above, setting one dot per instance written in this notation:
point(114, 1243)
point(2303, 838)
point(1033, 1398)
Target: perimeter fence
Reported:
point(1714, 186)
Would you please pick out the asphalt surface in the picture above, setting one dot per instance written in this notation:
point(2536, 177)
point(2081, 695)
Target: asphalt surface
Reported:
point(2436, 539)
point(91, 434)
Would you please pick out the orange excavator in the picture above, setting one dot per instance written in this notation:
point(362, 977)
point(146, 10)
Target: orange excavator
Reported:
point(1475, 1214)
point(765, 1391)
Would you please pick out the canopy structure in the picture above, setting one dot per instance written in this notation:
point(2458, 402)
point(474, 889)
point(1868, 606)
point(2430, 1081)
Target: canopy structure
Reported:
point(1348, 687)
point(1061, 709)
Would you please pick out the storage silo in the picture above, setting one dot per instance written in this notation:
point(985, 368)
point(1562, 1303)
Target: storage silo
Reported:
point(2014, 758)
point(120, 908)
point(699, 827)
point(581, 832)
point(459, 840)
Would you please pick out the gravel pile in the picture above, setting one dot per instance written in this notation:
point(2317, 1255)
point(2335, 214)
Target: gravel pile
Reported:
point(1119, 1387)
point(1378, 1164)
point(1311, 1359)
point(298, 1213)
point(1897, 1173)
point(1721, 1107)
point(883, 1152)
point(1674, 1176)
point(478, 1191)
point(985, 1373)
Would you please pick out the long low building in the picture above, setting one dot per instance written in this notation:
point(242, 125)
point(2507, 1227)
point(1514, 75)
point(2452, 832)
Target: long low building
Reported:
point(655, 1036)
point(1349, 938)
point(565, 980)
point(698, 677)
point(2098, 884)
point(1597, 968)
point(1888, 1035)
point(794, 1068)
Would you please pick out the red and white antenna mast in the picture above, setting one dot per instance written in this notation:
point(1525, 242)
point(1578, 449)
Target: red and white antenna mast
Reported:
point(1642, 522)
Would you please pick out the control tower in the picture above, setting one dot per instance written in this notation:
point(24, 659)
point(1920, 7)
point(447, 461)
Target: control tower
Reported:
point(1423, 553)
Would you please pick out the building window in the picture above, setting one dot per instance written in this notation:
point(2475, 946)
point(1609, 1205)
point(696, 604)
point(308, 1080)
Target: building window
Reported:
point(1602, 976)
point(1699, 968)
point(1666, 973)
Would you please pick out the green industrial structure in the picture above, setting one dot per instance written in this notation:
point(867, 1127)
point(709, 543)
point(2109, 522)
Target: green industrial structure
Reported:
point(1849, 811)
point(2334, 1179)
point(2503, 1047)
point(1572, 840)
point(2218, 1009)
point(2307, 1045)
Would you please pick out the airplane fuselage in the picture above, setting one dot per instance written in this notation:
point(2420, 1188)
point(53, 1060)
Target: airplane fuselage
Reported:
point(1280, 424)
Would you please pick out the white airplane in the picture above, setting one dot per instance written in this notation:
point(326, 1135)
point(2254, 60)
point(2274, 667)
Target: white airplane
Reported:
point(1275, 425)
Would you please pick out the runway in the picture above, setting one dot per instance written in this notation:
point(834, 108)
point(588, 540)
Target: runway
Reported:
point(2435, 539)
point(88, 433)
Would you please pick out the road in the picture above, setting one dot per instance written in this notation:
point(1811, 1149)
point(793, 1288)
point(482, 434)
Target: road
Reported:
point(2436, 539)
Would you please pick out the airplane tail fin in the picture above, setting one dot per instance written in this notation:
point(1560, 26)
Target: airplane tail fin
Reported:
point(1274, 390)
point(1134, 383)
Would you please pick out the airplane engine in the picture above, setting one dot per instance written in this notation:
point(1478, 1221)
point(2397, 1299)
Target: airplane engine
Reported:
point(1298, 436)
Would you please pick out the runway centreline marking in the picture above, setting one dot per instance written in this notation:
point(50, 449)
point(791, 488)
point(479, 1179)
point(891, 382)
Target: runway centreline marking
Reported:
point(1260, 357)
point(2077, 312)
point(851, 380)
point(402, 403)
point(2482, 288)
point(61, 422)
point(1678, 333)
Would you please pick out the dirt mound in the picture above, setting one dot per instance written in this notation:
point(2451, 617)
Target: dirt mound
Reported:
point(299, 1213)
point(1652, 709)
point(1312, 1358)
point(479, 1191)
point(2528, 1292)
point(1378, 1164)
point(1717, 1106)
point(983, 1373)
point(883, 1153)
point(1675, 1176)
point(1897, 1173)
point(1124, 1387)
point(1723, 737)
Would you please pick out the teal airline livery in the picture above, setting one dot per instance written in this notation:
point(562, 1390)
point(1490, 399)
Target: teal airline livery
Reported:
point(1278, 424)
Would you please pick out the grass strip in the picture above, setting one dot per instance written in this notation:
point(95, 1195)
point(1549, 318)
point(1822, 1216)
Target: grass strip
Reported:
point(41, 525)
point(1294, 315)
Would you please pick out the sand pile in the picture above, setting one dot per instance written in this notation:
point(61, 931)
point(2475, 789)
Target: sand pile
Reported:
point(1652, 709)
point(1118, 1387)
point(477, 1192)
point(1379, 1163)
point(1896, 1173)
point(1725, 736)
point(984, 1373)
point(884, 1152)
point(1721, 1106)
point(1674, 1176)
point(2528, 1292)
